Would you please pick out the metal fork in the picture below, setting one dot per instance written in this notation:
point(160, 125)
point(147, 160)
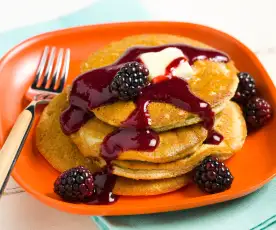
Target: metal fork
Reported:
point(44, 87)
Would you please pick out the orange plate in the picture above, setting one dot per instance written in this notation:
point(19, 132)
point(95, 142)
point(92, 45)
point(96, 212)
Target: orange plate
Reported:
point(252, 167)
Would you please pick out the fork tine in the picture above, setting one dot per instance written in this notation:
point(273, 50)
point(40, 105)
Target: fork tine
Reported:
point(49, 68)
point(41, 67)
point(65, 71)
point(57, 70)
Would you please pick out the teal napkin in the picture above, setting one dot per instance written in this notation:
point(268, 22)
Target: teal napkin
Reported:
point(256, 211)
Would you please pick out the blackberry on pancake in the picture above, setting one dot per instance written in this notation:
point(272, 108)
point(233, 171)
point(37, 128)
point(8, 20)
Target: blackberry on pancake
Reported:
point(129, 80)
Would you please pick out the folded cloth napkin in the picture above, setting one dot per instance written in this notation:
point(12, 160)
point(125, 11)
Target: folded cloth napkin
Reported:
point(256, 211)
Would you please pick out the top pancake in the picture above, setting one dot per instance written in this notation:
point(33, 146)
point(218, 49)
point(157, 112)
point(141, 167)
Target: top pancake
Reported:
point(213, 82)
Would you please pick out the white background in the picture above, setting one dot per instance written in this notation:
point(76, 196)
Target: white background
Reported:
point(250, 21)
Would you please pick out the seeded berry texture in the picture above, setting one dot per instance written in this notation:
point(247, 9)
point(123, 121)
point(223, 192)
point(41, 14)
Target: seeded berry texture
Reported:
point(129, 80)
point(75, 184)
point(257, 113)
point(212, 176)
point(246, 88)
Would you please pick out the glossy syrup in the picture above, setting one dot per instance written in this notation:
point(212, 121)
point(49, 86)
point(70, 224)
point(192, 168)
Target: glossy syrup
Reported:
point(114, 143)
point(104, 183)
point(91, 90)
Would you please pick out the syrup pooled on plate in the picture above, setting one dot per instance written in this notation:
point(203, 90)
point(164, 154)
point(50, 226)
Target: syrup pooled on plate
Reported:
point(104, 183)
point(91, 90)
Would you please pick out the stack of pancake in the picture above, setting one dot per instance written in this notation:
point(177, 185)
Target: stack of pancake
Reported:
point(182, 136)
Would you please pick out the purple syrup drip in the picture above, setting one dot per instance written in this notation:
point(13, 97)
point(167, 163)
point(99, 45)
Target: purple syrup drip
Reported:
point(104, 183)
point(214, 138)
point(123, 139)
point(91, 90)
point(72, 118)
point(174, 91)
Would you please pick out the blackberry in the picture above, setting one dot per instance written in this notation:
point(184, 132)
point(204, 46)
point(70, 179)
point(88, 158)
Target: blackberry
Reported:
point(257, 113)
point(212, 176)
point(129, 80)
point(75, 184)
point(246, 88)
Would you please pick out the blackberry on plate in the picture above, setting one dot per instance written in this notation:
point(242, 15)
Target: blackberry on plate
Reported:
point(246, 88)
point(212, 176)
point(75, 184)
point(257, 112)
point(129, 80)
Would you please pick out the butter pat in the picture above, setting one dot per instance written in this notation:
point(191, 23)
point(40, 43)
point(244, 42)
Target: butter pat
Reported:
point(157, 62)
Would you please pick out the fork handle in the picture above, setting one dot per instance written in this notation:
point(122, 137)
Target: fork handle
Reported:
point(14, 143)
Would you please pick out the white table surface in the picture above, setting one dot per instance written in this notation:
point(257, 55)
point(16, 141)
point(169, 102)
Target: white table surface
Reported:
point(250, 21)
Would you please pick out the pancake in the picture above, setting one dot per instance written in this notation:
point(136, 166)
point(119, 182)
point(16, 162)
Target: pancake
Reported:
point(230, 123)
point(53, 144)
point(63, 154)
point(129, 187)
point(213, 82)
point(173, 145)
